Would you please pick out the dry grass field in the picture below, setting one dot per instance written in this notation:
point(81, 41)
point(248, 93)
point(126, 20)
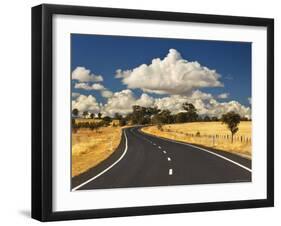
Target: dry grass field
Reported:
point(79, 120)
point(210, 134)
point(89, 147)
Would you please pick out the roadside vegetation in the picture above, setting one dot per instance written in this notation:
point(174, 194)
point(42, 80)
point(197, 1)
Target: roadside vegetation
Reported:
point(90, 147)
point(209, 134)
point(93, 140)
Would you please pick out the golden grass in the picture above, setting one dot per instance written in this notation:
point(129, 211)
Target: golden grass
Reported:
point(212, 134)
point(89, 148)
point(79, 120)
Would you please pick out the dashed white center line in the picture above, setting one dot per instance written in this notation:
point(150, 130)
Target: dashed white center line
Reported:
point(159, 147)
point(164, 152)
point(169, 159)
point(170, 171)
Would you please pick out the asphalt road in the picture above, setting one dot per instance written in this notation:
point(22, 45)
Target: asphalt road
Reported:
point(143, 160)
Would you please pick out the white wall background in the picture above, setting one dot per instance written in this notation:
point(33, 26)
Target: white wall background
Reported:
point(15, 45)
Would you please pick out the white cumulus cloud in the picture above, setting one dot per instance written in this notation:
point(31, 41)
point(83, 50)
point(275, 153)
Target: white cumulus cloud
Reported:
point(145, 100)
point(223, 95)
point(75, 95)
point(96, 86)
point(86, 103)
point(120, 102)
point(218, 109)
point(123, 101)
point(106, 93)
point(197, 94)
point(82, 85)
point(204, 103)
point(250, 100)
point(172, 75)
point(84, 75)
point(87, 86)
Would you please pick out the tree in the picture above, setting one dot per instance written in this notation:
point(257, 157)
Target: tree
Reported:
point(128, 117)
point(152, 111)
point(160, 127)
point(181, 117)
point(164, 117)
point(142, 115)
point(200, 118)
point(95, 125)
point(92, 115)
point(214, 118)
point(85, 114)
point(117, 116)
point(73, 125)
point(231, 119)
point(75, 112)
point(207, 118)
point(99, 115)
point(167, 116)
point(191, 112)
point(107, 120)
point(138, 115)
point(92, 126)
point(122, 122)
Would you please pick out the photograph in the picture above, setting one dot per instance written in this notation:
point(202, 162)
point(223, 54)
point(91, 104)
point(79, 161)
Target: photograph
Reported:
point(140, 112)
point(149, 111)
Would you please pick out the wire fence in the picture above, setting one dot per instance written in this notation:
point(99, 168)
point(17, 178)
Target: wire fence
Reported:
point(213, 138)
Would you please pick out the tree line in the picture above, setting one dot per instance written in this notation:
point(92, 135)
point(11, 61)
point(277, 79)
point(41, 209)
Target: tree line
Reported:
point(152, 115)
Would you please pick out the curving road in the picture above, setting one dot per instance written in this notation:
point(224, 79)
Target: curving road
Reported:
point(145, 160)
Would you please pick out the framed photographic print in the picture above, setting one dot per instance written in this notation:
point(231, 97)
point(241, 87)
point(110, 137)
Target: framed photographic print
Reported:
point(146, 112)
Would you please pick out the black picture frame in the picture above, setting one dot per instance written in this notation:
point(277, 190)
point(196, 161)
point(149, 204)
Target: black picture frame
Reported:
point(42, 107)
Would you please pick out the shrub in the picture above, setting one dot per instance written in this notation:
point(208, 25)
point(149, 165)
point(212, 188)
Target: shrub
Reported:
point(160, 127)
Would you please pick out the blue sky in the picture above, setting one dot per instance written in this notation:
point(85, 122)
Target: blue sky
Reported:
point(103, 55)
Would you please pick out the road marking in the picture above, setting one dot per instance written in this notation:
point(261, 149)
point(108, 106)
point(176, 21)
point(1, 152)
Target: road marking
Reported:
point(164, 152)
point(159, 147)
point(142, 137)
point(169, 159)
point(203, 149)
point(108, 168)
point(170, 171)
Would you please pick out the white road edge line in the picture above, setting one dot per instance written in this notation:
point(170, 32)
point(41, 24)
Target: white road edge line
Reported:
point(108, 168)
point(220, 156)
point(170, 171)
point(203, 149)
point(164, 152)
point(169, 159)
